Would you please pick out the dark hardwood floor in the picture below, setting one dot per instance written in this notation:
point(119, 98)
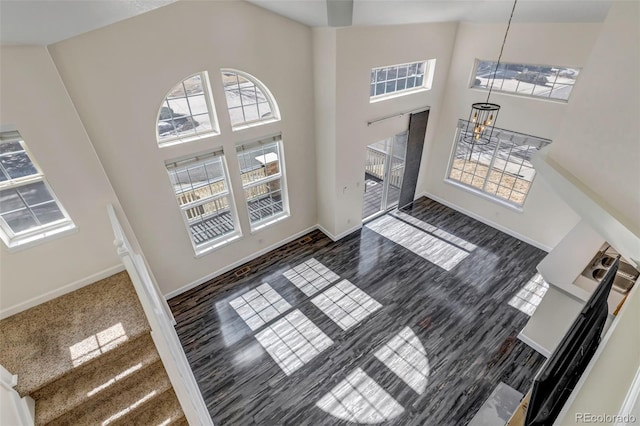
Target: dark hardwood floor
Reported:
point(440, 338)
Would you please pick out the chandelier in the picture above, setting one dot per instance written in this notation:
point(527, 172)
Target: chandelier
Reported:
point(483, 115)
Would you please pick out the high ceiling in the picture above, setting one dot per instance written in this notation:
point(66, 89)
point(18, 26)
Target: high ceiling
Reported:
point(48, 21)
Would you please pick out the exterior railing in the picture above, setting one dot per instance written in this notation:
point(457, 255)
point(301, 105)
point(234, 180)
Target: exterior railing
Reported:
point(376, 163)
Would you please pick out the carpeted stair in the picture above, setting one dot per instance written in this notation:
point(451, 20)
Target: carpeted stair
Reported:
point(87, 358)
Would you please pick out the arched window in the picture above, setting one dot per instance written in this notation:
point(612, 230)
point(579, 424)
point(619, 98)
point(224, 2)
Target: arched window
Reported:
point(187, 111)
point(249, 101)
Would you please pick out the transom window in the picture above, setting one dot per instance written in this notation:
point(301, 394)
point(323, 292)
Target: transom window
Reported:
point(187, 111)
point(249, 101)
point(262, 169)
point(29, 210)
point(501, 169)
point(202, 192)
point(401, 79)
point(550, 82)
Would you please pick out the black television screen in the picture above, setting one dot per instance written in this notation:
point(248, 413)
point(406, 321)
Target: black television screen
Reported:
point(559, 375)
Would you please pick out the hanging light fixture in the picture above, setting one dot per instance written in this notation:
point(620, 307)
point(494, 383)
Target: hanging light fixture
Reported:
point(483, 115)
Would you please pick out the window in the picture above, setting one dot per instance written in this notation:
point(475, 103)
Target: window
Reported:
point(501, 168)
point(187, 111)
point(262, 170)
point(401, 79)
point(29, 210)
point(202, 191)
point(249, 101)
point(526, 80)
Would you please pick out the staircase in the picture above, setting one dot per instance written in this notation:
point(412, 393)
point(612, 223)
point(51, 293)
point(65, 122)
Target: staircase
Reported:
point(87, 358)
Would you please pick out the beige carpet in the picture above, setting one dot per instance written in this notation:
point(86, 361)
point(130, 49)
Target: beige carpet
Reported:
point(44, 343)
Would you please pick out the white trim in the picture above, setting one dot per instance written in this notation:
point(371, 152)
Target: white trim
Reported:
point(533, 344)
point(237, 263)
point(632, 398)
point(12, 310)
point(340, 236)
point(486, 221)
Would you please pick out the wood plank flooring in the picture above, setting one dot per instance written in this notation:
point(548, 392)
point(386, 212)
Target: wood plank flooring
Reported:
point(459, 316)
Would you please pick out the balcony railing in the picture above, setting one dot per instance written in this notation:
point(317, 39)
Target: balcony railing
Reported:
point(376, 164)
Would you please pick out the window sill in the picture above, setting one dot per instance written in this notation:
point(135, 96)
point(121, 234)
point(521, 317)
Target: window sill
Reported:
point(254, 124)
point(521, 95)
point(192, 138)
point(22, 243)
point(270, 221)
point(481, 194)
point(398, 95)
point(217, 244)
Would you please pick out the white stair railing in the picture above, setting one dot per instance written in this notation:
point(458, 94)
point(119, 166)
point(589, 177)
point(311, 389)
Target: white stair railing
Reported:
point(162, 329)
point(15, 410)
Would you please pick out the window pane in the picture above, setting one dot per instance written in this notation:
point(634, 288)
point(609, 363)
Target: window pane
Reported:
point(35, 193)
point(247, 101)
point(201, 189)
point(185, 110)
point(20, 220)
point(9, 201)
point(501, 168)
point(261, 162)
point(527, 79)
point(47, 212)
point(8, 147)
point(17, 165)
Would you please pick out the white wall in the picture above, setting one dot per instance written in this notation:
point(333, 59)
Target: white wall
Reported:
point(359, 49)
point(36, 102)
point(118, 76)
point(324, 67)
point(545, 219)
point(599, 142)
point(610, 152)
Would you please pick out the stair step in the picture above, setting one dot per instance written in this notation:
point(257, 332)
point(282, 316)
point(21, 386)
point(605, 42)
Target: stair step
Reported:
point(93, 378)
point(162, 410)
point(125, 397)
point(44, 343)
point(180, 422)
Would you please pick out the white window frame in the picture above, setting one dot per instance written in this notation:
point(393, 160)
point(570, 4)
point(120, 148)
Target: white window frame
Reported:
point(222, 240)
point(500, 136)
point(273, 105)
point(496, 89)
point(281, 176)
point(41, 233)
point(427, 80)
point(208, 97)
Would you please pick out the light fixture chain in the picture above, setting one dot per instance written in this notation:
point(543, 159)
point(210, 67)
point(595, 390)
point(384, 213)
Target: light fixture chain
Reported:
point(501, 50)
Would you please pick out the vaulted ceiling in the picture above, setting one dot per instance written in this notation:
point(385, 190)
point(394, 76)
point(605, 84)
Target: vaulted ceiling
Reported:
point(48, 21)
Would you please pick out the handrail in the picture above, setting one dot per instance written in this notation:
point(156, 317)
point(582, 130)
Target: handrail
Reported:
point(22, 407)
point(162, 329)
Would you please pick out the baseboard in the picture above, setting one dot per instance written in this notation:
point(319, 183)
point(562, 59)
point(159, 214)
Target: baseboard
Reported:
point(5, 313)
point(340, 236)
point(235, 264)
point(486, 221)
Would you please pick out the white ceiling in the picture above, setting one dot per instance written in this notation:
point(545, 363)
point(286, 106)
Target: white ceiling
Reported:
point(391, 12)
point(49, 21)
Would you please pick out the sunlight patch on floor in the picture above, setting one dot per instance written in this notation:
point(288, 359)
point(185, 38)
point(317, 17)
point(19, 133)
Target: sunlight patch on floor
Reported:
point(406, 357)
point(311, 276)
point(293, 341)
point(346, 304)
point(358, 398)
point(259, 306)
point(429, 247)
point(530, 296)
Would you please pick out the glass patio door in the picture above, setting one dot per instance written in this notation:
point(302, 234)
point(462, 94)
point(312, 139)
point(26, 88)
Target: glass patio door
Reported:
point(384, 170)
